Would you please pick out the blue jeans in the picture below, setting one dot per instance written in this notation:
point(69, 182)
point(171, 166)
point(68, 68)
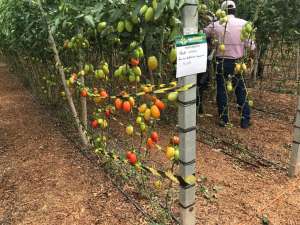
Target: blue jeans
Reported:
point(225, 67)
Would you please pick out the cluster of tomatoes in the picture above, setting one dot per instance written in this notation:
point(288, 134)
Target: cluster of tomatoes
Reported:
point(172, 151)
point(77, 42)
point(147, 113)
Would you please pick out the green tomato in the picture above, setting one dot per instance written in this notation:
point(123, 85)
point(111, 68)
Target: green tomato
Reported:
point(250, 103)
point(139, 120)
point(99, 74)
point(137, 79)
point(173, 55)
point(137, 70)
point(149, 15)
point(136, 54)
point(176, 155)
point(154, 4)
point(128, 26)
point(219, 13)
point(143, 127)
point(229, 86)
point(120, 26)
point(105, 69)
point(135, 19)
point(133, 45)
point(118, 73)
point(143, 9)
point(173, 96)
point(222, 14)
point(101, 26)
point(86, 68)
point(131, 78)
point(141, 52)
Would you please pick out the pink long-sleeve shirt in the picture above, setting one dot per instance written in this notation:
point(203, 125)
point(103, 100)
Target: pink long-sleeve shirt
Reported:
point(234, 47)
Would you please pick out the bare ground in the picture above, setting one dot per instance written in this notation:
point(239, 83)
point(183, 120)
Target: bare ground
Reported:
point(43, 177)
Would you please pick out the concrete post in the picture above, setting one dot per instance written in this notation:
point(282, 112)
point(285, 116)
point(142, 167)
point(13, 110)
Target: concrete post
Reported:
point(295, 157)
point(187, 123)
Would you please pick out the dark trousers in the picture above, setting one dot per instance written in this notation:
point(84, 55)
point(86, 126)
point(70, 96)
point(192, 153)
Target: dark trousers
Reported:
point(202, 84)
point(225, 68)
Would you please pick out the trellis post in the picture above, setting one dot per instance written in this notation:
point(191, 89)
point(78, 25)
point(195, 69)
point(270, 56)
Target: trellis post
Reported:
point(295, 157)
point(187, 123)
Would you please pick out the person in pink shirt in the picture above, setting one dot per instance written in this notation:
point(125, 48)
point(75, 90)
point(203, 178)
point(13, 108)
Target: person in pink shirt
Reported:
point(229, 35)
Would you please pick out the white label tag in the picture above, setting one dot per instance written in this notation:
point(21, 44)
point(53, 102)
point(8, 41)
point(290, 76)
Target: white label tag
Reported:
point(191, 59)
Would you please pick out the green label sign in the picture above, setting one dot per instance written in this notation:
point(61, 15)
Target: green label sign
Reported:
point(191, 39)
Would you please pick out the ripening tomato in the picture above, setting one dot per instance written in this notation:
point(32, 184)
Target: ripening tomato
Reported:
point(155, 113)
point(170, 152)
point(129, 130)
point(152, 63)
point(175, 140)
point(142, 108)
point(74, 76)
point(84, 93)
point(66, 44)
point(157, 184)
point(150, 143)
point(222, 48)
point(131, 101)
point(147, 114)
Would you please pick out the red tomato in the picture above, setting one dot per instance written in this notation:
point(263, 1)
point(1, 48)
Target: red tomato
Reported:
point(134, 62)
point(154, 136)
point(118, 103)
point(126, 106)
point(103, 94)
point(160, 104)
point(107, 113)
point(95, 124)
point(131, 157)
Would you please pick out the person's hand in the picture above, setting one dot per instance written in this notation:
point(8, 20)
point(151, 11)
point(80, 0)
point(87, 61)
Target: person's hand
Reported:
point(251, 62)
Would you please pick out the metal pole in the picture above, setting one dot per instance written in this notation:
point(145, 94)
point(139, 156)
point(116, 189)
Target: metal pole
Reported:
point(187, 124)
point(295, 157)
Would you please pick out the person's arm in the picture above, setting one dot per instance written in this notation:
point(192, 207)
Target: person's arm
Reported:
point(209, 31)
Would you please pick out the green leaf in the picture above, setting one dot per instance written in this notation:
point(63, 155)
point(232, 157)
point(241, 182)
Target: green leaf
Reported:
point(265, 220)
point(89, 20)
point(137, 7)
point(181, 3)
point(79, 16)
point(160, 8)
point(175, 32)
point(172, 4)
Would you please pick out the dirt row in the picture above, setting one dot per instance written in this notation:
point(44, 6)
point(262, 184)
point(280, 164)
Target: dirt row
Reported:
point(45, 180)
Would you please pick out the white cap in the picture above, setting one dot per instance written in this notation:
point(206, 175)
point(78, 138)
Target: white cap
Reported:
point(228, 5)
